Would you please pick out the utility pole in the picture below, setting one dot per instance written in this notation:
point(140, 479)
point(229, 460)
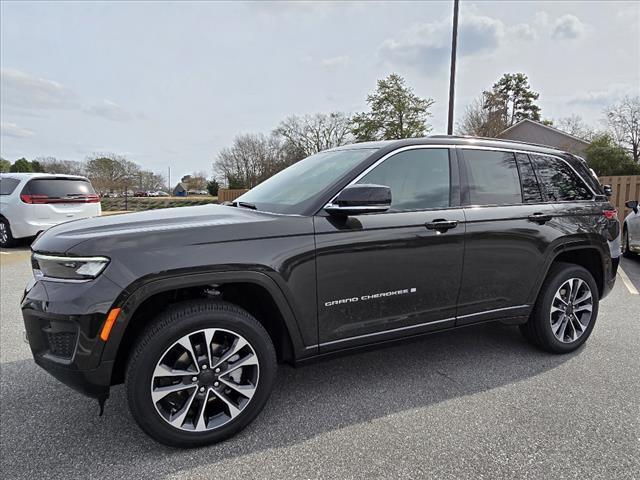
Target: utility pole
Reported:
point(169, 178)
point(452, 78)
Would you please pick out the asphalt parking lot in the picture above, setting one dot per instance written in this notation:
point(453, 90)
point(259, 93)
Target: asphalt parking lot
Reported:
point(476, 403)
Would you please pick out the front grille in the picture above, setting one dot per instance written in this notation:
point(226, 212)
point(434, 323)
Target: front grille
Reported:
point(60, 343)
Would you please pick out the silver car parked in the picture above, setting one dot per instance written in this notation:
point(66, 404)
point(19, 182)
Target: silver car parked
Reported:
point(631, 230)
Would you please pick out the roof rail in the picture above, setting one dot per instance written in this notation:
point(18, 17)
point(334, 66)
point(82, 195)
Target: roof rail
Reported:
point(469, 137)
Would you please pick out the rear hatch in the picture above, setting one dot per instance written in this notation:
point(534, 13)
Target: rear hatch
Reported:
point(58, 199)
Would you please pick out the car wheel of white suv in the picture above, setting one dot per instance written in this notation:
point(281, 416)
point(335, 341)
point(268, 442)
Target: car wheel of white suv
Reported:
point(6, 238)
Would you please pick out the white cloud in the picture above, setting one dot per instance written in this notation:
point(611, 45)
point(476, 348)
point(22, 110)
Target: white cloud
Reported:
point(26, 91)
point(339, 61)
point(568, 27)
point(427, 45)
point(603, 97)
point(109, 110)
point(12, 130)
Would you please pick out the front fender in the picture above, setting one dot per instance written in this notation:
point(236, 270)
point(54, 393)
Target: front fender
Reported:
point(135, 294)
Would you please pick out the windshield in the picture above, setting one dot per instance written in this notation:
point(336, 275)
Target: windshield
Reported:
point(290, 190)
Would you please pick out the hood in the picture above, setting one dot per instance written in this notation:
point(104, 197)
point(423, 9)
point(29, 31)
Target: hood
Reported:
point(171, 226)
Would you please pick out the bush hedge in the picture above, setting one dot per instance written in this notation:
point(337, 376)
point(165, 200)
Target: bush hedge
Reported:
point(137, 204)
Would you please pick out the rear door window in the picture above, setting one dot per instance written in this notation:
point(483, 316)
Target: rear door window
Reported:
point(492, 177)
point(558, 181)
point(60, 188)
point(8, 185)
point(530, 189)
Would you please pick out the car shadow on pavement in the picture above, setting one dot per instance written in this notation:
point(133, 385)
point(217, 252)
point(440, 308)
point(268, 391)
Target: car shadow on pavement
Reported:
point(43, 419)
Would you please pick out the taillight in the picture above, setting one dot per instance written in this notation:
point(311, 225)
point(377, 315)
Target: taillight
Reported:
point(610, 214)
point(42, 199)
point(34, 198)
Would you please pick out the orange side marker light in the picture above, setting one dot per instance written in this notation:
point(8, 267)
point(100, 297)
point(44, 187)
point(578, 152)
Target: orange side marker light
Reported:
point(108, 325)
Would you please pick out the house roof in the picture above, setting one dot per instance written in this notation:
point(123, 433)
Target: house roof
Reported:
point(542, 125)
point(181, 185)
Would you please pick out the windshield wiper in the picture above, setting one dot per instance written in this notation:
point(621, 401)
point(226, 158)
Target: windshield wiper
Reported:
point(246, 205)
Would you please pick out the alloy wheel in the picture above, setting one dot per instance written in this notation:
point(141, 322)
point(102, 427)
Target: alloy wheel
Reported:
point(205, 379)
point(571, 310)
point(3, 233)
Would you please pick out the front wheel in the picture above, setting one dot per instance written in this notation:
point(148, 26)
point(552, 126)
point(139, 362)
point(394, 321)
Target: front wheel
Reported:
point(626, 251)
point(200, 373)
point(566, 310)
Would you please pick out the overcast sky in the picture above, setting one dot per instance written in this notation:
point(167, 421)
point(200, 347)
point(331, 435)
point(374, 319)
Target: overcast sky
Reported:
point(170, 84)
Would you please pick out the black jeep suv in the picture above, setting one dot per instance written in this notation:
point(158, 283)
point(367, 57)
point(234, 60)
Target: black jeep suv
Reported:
point(193, 308)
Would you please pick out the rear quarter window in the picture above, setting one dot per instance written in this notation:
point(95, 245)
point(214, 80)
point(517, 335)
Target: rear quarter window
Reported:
point(558, 181)
point(8, 185)
point(59, 187)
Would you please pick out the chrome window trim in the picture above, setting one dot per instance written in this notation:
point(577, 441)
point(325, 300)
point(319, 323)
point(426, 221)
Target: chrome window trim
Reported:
point(594, 195)
point(387, 156)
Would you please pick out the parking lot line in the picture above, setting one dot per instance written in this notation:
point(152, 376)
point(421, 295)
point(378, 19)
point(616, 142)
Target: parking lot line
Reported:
point(627, 282)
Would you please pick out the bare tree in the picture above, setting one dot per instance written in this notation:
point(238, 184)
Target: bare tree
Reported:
point(480, 121)
point(574, 125)
point(311, 134)
point(252, 159)
point(108, 172)
point(63, 167)
point(623, 119)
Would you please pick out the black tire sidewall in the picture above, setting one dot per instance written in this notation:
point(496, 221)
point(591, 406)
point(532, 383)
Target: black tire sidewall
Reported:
point(155, 343)
point(10, 240)
point(545, 335)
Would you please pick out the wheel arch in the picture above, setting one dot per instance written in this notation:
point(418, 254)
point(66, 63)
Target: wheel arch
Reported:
point(588, 256)
point(256, 292)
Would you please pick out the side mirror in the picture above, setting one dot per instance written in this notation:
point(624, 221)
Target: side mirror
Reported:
point(608, 191)
point(360, 198)
point(632, 204)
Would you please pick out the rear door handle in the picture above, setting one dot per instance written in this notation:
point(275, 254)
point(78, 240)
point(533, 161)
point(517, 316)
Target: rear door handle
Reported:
point(540, 218)
point(441, 225)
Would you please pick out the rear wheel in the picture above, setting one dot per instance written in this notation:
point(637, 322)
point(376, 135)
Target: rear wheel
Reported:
point(6, 238)
point(566, 310)
point(200, 373)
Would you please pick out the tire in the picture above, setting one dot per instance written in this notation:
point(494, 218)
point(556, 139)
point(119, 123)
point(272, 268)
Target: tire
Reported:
point(160, 342)
point(626, 251)
point(6, 238)
point(544, 327)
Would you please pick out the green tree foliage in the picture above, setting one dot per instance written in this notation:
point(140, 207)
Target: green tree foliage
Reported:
point(608, 158)
point(509, 101)
point(212, 187)
point(396, 112)
point(22, 165)
point(5, 165)
point(512, 100)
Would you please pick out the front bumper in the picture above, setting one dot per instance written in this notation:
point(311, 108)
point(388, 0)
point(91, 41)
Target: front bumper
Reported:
point(62, 324)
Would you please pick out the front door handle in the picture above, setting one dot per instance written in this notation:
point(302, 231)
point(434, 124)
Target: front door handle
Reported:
point(441, 225)
point(540, 217)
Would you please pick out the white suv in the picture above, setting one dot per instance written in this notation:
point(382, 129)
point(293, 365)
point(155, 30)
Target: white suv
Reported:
point(33, 202)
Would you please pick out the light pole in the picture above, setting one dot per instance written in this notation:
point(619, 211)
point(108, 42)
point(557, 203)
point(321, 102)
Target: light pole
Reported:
point(452, 78)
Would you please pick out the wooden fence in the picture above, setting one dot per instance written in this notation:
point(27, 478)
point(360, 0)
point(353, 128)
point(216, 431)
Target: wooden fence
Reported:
point(624, 188)
point(229, 195)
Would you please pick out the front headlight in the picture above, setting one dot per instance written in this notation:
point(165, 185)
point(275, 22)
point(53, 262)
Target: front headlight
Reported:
point(67, 268)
